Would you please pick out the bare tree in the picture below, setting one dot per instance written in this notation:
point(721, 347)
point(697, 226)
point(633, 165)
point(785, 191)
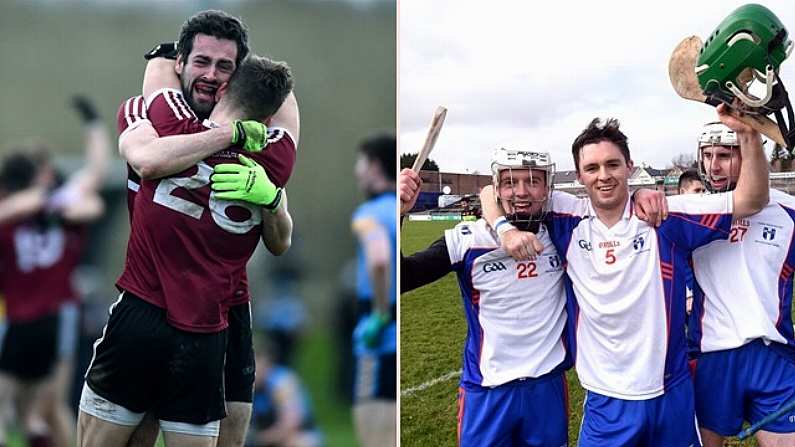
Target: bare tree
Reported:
point(684, 161)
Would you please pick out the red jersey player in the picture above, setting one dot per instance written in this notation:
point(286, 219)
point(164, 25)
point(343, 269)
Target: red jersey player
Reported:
point(42, 233)
point(186, 258)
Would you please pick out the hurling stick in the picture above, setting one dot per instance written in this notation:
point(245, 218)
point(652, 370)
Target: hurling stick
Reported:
point(766, 420)
point(430, 139)
point(682, 72)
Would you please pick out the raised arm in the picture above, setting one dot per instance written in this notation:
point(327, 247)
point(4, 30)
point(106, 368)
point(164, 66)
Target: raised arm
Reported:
point(409, 184)
point(22, 203)
point(753, 191)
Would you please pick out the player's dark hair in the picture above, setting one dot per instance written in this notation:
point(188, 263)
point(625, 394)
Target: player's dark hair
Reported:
point(382, 148)
point(20, 167)
point(259, 86)
point(687, 177)
point(17, 172)
point(596, 132)
point(217, 24)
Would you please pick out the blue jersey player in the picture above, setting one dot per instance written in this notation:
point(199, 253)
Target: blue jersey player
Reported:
point(374, 338)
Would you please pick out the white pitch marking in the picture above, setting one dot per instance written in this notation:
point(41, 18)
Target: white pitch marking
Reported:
point(430, 383)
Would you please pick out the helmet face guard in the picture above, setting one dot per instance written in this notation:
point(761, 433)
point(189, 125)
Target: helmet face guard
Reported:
point(749, 45)
point(714, 134)
point(515, 161)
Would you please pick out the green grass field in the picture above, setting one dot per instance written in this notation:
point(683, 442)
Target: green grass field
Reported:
point(432, 332)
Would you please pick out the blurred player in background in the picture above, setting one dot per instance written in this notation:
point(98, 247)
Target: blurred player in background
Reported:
point(221, 234)
point(690, 183)
point(741, 330)
point(375, 337)
point(43, 220)
point(282, 414)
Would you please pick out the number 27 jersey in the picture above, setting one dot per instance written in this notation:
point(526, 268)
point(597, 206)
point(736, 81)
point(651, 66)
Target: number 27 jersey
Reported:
point(188, 250)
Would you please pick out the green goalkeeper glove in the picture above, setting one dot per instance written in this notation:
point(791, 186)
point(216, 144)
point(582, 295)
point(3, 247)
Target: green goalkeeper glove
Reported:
point(373, 328)
point(248, 182)
point(252, 135)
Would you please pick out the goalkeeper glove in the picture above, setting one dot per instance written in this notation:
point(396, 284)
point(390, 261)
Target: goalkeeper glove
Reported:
point(85, 108)
point(248, 182)
point(252, 135)
point(374, 326)
point(167, 50)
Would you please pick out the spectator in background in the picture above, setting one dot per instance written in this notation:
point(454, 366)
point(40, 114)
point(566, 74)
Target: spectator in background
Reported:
point(281, 314)
point(43, 220)
point(690, 183)
point(282, 414)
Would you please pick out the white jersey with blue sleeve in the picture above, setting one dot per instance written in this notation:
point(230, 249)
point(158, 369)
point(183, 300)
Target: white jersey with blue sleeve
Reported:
point(744, 283)
point(628, 284)
point(515, 311)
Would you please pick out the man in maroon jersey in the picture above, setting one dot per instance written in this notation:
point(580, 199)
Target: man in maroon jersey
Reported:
point(186, 256)
point(205, 67)
point(42, 229)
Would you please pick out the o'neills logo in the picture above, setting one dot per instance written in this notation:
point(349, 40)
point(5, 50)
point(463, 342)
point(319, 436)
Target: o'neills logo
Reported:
point(741, 223)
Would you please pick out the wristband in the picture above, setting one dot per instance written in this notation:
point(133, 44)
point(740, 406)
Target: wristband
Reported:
point(502, 225)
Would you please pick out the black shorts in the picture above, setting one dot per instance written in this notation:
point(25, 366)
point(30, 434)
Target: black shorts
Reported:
point(29, 350)
point(146, 365)
point(240, 367)
point(376, 377)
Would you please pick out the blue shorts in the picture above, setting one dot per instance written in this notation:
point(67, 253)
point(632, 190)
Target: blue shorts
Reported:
point(528, 412)
point(665, 421)
point(745, 383)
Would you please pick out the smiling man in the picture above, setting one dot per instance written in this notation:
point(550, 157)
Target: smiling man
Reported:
point(741, 331)
point(513, 388)
point(625, 274)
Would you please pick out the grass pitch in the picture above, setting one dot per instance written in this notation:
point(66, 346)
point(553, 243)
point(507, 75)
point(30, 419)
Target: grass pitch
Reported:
point(432, 332)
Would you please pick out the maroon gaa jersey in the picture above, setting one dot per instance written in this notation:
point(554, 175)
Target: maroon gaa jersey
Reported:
point(188, 250)
point(36, 266)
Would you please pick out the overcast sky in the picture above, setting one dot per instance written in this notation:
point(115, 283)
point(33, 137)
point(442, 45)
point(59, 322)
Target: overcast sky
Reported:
point(531, 75)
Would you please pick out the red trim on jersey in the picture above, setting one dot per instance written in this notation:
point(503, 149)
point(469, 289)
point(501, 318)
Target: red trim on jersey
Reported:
point(666, 299)
point(565, 393)
point(709, 220)
point(130, 112)
point(461, 396)
point(786, 272)
point(667, 270)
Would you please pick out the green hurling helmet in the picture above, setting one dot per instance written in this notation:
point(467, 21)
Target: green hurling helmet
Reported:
point(750, 44)
point(751, 37)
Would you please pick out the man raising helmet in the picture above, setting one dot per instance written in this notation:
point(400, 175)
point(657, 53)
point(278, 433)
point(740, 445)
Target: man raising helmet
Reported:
point(741, 330)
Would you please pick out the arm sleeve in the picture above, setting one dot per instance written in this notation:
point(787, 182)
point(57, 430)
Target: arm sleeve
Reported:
point(278, 157)
point(170, 114)
point(424, 267)
point(131, 114)
point(696, 220)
